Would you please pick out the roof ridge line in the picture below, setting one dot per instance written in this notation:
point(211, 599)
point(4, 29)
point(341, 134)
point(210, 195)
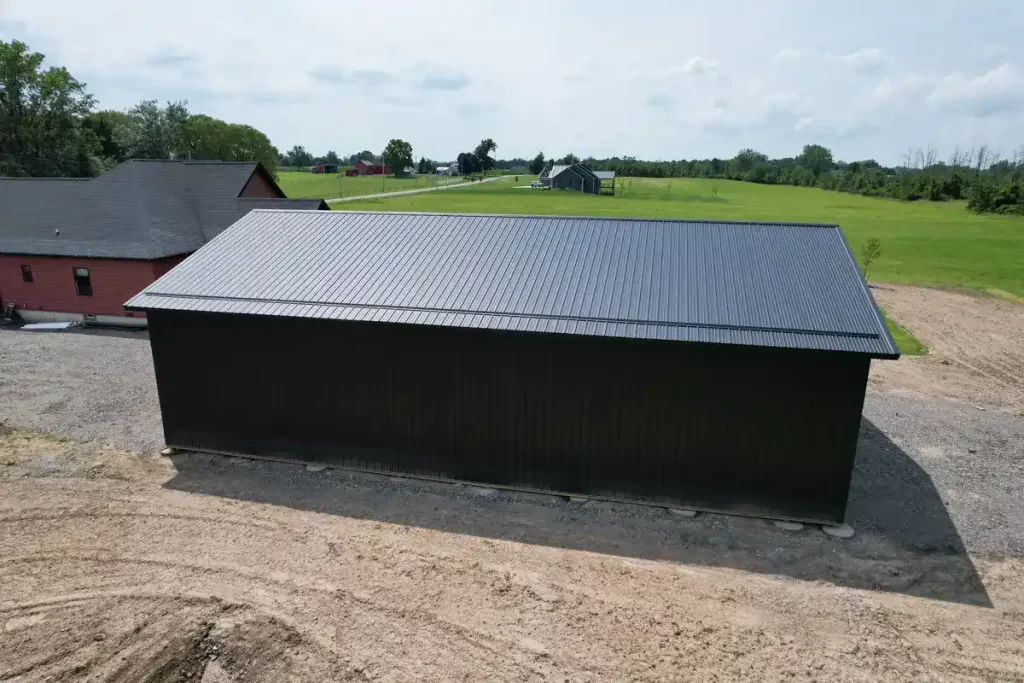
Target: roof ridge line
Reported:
point(632, 219)
point(500, 314)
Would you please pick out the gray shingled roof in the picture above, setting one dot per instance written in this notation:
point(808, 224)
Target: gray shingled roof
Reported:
point(762, 284)
point(139, 210)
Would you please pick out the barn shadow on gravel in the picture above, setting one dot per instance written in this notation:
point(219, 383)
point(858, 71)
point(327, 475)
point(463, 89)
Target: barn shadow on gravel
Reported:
point(906, 541)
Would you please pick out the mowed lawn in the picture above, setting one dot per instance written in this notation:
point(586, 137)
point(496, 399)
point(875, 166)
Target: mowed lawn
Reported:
point(925, 243)
point(331, 186)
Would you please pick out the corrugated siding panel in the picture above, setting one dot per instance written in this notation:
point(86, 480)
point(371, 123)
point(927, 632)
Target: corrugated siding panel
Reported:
point(736, 283)
point(762, 431)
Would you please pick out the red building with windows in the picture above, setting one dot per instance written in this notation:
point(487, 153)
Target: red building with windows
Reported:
point(363, 168)
point(77, 249)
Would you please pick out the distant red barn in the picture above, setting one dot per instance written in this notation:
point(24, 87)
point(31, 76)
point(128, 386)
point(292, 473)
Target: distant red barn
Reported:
point(325, 168)
point(363, 168)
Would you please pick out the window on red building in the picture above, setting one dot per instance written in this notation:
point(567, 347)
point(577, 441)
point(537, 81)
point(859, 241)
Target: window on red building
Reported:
point(83, 283)
point(26, 273)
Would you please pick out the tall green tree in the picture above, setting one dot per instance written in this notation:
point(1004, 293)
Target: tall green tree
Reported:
point(537, 165)
point(468, 162)
point(483, 151)
point(298, 156)
point(154, 132)
point(568, 160)
point(107, 126)
point(816, 159)
point(41, 113)
point(204, 137)
point(331, 157)
point(398, 155)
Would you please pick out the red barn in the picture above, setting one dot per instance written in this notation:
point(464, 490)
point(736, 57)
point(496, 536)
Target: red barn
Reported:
point(77, 249)
point(363, 168)
point(325, 168)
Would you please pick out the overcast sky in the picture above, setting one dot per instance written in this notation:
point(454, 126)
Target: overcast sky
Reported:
point(652, 79)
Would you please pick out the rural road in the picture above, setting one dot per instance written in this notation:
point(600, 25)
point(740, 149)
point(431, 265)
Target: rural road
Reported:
point(399, 193)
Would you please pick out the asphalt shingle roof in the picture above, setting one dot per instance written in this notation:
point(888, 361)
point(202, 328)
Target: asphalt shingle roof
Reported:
point(762, 284)
point(139, 210)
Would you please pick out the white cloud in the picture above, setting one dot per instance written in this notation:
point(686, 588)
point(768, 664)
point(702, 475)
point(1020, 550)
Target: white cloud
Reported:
point(896, 91)
point(867, 59)
point(699, 65)
point(1001, 89)
point(788, 55)
point(666, 89)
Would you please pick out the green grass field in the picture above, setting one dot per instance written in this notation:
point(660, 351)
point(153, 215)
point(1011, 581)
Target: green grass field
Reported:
point(924, 243)
point(302, 184)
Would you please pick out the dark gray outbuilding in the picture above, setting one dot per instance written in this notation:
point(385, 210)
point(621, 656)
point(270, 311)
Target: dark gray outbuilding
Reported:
point(577, 177)
point(688, 363)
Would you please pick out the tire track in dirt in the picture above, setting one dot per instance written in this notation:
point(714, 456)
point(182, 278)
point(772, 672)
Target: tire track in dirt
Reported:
point(976, 346)
point(313, 596)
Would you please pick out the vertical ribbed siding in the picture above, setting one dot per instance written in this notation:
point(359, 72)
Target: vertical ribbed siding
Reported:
point(759, 431)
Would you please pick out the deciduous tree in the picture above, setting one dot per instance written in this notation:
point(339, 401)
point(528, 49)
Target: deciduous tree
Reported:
point(483, 151)
point(153, 132)
point(41, 114)
point(537, 165)
point(816, 159)
point(398, 155)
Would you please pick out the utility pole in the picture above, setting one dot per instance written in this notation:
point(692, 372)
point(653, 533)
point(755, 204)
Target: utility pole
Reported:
point(383, 171)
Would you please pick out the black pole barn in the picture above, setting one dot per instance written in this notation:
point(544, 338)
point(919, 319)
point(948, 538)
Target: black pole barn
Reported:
point(697, 364)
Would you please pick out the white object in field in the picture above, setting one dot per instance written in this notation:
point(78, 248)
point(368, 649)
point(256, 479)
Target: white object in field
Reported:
point(786, 525)
point(683, 512)
point(838, 530)
point(46, 326)
point(168, 451)
point(316, 468)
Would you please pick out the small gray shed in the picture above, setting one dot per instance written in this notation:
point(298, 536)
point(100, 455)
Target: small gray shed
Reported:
point(576, 177)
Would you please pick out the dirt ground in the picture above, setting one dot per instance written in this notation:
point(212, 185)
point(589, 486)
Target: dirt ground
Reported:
point(119, 565)
point(976, 347)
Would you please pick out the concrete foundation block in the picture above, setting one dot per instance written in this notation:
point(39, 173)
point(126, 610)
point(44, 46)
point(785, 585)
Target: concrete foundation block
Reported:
point(682, 512)
point(838, 530)
point(316, 468)
point(169, 451)
point(787, 525)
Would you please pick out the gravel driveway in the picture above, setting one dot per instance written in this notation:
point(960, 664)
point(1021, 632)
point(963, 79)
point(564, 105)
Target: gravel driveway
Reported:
point(209, 568)
point(932, 475)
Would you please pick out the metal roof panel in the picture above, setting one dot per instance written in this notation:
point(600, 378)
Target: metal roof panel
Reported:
point(765, 284)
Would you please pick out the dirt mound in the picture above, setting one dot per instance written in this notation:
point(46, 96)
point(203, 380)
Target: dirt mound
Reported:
point(123, 638)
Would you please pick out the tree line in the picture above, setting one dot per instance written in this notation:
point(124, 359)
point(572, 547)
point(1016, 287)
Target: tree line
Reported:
point(48, 126)
point(981, 176)
point(398, 156)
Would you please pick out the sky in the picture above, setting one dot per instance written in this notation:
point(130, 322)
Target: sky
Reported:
point(648, 78)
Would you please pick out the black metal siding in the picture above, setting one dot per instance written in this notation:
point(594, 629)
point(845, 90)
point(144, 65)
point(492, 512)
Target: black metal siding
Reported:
point(743, 429)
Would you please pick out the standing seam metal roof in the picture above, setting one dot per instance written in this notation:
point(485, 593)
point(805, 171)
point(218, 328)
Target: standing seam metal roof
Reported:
point(761, 284)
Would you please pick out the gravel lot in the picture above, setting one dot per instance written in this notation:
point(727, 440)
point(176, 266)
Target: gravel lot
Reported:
point(215, 568)
point(931, 474)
